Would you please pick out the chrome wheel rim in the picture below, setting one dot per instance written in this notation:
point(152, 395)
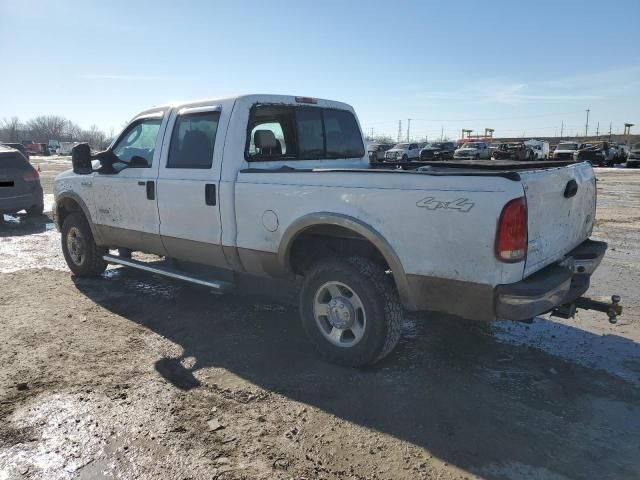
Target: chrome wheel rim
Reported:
point(76, 245)
point(339, 314)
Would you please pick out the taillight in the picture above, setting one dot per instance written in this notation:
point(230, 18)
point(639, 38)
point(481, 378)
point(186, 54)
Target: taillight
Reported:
point(31, 175)
point(512, 233)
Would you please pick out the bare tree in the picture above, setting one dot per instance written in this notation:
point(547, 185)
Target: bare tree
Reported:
point(9, 129)
point(46, 127)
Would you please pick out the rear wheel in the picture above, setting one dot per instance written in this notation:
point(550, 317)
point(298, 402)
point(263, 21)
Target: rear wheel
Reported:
point(81, 253)
point(405, 157)
point(350, 310)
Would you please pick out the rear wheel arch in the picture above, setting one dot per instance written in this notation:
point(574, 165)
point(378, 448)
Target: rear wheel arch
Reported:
point(346, 231)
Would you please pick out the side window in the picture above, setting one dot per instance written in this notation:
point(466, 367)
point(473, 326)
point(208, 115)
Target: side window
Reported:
point(271, 133)
point(343, 135)
point(302, 133)
point(139, 140)
point(310, 133)
point(192, 140)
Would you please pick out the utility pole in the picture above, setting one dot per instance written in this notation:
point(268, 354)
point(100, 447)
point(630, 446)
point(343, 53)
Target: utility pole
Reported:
point(408, 129)
point(399, 130)
point(441, 133)
point(610, 124)
point(561, 129)
point(586, 126)
point(371, 133)
point(598, 131)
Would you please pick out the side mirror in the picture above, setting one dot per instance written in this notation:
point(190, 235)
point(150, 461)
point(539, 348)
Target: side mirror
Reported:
point(81, 159)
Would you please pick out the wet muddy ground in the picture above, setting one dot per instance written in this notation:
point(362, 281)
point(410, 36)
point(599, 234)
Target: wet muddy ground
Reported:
point(135, 376)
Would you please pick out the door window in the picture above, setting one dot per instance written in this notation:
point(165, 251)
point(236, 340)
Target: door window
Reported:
point(139, 141)
point(193, 140)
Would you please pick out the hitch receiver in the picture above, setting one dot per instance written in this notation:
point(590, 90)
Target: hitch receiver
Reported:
point(568, 310)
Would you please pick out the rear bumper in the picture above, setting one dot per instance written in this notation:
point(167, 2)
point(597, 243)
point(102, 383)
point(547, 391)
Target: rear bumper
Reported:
point(23, 201)
point(552, 286)
point(539, 293)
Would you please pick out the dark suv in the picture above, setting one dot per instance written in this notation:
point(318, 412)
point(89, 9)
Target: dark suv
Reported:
point(512, 151)
point(20, 187)
point(438, 151)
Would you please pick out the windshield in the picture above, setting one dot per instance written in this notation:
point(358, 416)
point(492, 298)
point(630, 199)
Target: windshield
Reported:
point(471, 145)
point(636, 146)
point(402, 146)
point(567, 146)
point(436, 145)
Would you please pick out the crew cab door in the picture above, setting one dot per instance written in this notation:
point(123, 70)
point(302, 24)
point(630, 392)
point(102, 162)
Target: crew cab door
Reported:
point(126, 212)
point(188, 185)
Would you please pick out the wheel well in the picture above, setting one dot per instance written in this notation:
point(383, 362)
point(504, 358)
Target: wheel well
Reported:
point(64, 208)
point(320, 240)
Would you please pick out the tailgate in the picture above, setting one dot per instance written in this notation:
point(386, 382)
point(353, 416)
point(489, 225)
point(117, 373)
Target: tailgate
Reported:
point(561, 205)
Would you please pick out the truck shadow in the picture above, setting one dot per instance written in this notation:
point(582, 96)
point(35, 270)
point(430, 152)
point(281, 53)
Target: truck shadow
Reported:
point(499, 407)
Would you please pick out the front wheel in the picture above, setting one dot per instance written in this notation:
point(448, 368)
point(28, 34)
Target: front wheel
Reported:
point(81, 253)
point(350, 310)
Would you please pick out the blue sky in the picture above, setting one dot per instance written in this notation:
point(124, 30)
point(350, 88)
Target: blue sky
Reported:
point(516, 66)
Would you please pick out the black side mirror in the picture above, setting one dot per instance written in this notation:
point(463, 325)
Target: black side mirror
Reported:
point(81, 159)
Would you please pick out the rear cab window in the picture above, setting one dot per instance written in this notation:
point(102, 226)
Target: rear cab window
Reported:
point(290, 132)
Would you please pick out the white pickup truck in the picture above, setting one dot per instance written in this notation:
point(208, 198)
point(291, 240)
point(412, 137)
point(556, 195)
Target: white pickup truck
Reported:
point(281, 187)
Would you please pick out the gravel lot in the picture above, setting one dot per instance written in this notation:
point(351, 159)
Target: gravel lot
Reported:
point(135, 376)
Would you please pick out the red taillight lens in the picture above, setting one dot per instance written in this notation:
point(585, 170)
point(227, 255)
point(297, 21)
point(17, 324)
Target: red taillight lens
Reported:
point(512, 234)
point(31, 176)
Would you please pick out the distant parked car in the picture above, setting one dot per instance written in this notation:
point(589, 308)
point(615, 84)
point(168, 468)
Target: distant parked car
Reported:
point(402, 152)
point(44, 149)
point(492, 147)
point(65, 148)
point(19, 147)
point(376, 151)
point(53, 145)
point(472, 151)
point(438, 151)
point(539, 149)
point(597, 154)
point(565, 150)
point(633, 158)
point(20, 187)
point(512, 151)
point(32, 147)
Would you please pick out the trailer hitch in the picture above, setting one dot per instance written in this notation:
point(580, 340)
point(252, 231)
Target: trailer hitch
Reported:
point(612, 309)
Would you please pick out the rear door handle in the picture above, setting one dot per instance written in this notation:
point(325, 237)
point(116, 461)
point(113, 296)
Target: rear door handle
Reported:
point(151, 189)
point(210, 194)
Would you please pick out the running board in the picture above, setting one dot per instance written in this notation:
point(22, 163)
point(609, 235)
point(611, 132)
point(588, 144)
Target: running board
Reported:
point(217, 285)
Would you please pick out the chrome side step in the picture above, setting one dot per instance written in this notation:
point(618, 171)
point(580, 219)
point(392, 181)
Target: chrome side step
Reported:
point(218, 285)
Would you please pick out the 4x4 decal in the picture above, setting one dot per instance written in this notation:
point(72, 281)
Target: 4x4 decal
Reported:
point(461, 204)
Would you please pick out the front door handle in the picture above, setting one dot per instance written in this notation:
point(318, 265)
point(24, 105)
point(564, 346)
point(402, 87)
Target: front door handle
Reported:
point(151, 190)
point(210, 194)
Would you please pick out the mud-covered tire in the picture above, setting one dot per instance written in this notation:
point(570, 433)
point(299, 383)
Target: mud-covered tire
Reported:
point(381, 308)
point(81, 253)
point(35, 210)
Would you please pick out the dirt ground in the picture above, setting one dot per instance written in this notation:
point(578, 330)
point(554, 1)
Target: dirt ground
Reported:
point(135, 376)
